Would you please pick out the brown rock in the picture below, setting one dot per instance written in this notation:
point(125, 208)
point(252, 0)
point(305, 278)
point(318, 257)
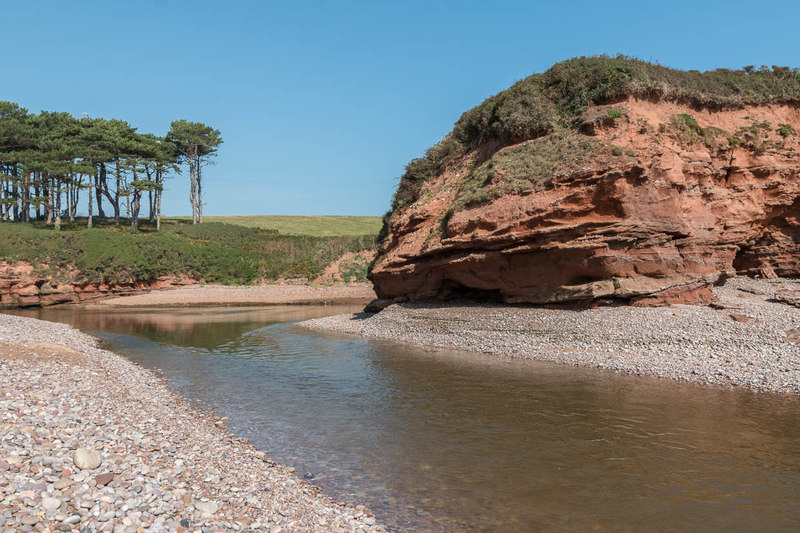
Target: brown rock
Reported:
point(22, 286)
point(29, 289)
point(657, 228)
point(788, 297)
point(62, 484)
point(103, 479)
point(57, 298)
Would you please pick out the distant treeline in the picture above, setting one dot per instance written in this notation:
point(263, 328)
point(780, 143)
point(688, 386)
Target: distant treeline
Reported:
point(48, 160)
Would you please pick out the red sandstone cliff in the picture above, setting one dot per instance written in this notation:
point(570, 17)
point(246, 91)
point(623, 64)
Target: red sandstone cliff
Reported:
point(663, 201)
point(23, 286)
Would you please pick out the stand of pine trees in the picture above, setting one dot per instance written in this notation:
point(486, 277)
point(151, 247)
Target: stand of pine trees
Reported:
point(51, 163)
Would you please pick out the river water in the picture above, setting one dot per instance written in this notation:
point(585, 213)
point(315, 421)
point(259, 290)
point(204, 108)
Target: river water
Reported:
point(453, 441)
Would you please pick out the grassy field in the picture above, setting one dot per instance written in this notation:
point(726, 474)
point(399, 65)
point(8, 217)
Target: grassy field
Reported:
point(315, 226)
point(211, 252)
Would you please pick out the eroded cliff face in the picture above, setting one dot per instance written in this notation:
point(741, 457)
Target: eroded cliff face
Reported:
point(657, 202)
point(23, 286)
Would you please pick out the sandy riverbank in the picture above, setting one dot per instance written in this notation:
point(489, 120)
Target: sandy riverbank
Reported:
point(164, 465)
point(747, 340)
point(196, 295)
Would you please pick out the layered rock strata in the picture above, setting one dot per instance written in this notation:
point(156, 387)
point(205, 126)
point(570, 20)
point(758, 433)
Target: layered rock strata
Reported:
point(21, 285)
point(662, 202)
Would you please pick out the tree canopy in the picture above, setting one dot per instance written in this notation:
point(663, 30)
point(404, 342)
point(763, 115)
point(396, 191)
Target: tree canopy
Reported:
point(195, 143)
point(48, 160)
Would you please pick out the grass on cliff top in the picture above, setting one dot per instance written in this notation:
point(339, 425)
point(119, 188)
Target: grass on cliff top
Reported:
point(521, 168)
point(210, 252)
point(555, 100)
point(315, 226)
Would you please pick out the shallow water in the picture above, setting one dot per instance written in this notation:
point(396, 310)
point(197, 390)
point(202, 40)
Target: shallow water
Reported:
point(452, 441)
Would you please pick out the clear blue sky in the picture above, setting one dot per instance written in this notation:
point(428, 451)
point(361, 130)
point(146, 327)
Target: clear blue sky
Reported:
point(321, 104)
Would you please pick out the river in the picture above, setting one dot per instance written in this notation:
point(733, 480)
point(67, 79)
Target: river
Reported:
point(455, 441)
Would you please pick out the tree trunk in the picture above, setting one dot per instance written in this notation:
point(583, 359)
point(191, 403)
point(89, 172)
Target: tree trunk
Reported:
point(158, 211)
point(159, 188)
point(74, 197)
point(113, 200)
point(78, 187)
point(135, 211)
point(92, 182)
point(199, 195)
point(16, 191)
point(193, 192)
point(100, 179)
point(26, 197)
point(47, 190)
point(137, 195)
point(8, 196)
point(57, 205)
point(37, 191)
point(116, 193)
point(5, 208)
point(3, 195)
point(193, 168)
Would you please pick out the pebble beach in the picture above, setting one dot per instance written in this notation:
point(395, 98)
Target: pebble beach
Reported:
point(746, 338)
point(92, 442)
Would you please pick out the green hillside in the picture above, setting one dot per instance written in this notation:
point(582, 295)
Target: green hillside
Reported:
point(315, 226)
point(210, 252)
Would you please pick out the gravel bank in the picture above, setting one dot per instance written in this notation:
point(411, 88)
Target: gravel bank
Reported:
point(354, 293)
point(152, 462)
point(746, 339)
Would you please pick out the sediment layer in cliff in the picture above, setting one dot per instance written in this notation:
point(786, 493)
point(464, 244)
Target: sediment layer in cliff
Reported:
point(608, 179)
point(22, 285)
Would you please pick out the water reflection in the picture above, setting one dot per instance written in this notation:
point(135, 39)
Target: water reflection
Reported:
point(186, 327)
point(453, 441)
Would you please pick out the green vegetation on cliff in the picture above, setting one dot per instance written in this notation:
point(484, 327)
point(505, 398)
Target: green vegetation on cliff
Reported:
point(210, 252)
point(554, 102)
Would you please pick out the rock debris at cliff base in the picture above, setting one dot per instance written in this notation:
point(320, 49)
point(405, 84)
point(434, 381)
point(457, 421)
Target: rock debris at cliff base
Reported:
point(749, 337)
point(66, 406)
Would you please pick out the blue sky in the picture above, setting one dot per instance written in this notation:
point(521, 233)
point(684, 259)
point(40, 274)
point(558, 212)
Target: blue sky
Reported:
point(321, 104)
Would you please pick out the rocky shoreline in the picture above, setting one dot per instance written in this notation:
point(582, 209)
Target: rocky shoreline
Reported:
point(748, 337)
point(22, 285)
point(92, 442)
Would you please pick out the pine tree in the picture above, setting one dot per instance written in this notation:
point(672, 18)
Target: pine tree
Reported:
point(196, 143)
